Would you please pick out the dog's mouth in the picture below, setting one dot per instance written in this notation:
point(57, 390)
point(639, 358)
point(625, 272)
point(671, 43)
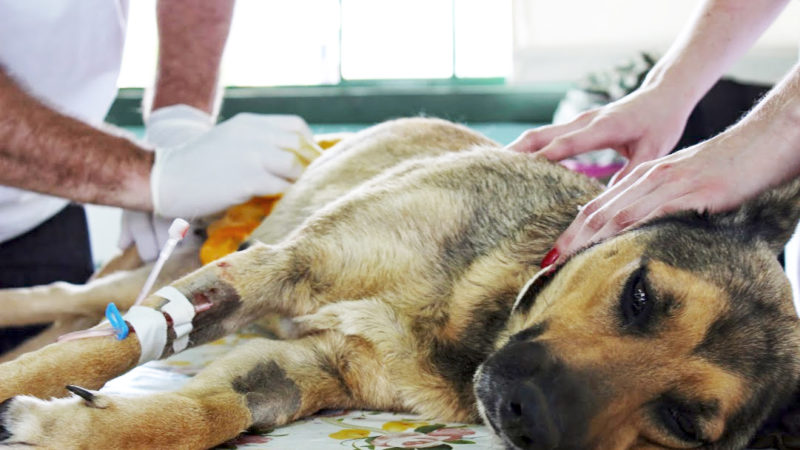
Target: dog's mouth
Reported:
point(489, 417)
point(480, 387)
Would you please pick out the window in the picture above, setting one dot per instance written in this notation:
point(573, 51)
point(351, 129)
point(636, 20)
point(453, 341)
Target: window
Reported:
point(567, 39)
point(318, 42)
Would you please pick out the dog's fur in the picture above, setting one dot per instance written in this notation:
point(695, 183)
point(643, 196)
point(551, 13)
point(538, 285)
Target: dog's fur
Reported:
point(398, 256)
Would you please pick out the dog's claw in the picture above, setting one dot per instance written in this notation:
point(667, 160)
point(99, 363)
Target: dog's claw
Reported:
point(4, 433)
point(81, 392)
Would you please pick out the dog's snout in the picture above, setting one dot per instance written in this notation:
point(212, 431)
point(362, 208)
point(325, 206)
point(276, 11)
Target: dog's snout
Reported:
point(520, 360)
point(536, 401)
point(526, 419)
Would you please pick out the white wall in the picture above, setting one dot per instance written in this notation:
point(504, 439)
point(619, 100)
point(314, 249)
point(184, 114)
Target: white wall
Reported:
point(104, 222)
point(566, 39)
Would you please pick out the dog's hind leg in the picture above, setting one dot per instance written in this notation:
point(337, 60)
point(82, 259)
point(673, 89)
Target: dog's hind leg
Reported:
point(49, 335)
point(59, 300)
point(51, 302)
point(260, 385)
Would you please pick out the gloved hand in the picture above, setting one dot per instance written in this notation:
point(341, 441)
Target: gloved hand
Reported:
point(146, 230)
point(245, 156)
point(166, 127)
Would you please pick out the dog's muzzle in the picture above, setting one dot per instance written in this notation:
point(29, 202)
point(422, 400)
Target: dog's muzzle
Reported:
point(532, 401)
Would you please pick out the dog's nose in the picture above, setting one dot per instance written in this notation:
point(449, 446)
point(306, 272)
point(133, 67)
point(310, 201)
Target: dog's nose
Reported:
point(537, 402)
point(527, 420)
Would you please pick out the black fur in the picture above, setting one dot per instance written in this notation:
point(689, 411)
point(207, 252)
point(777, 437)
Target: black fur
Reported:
point(269, 393)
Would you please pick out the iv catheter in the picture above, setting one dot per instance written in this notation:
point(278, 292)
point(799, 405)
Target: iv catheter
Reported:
point(177, 231)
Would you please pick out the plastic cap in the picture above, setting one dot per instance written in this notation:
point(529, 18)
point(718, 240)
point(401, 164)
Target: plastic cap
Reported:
point(178, 229)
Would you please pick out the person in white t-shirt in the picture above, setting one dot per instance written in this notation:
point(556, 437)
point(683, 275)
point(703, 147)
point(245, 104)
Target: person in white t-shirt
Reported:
point(59, 61)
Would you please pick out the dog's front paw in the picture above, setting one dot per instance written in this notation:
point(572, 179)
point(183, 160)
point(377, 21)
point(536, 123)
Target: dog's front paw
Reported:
point(28, 421)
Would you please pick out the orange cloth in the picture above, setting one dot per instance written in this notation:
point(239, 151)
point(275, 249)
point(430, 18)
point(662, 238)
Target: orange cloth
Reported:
point(226, 234)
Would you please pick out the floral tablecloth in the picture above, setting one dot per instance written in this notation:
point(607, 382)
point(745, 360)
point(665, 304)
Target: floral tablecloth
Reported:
point(332, 429)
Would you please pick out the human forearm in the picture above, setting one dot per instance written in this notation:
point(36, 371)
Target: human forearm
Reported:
point(45, 151)
point(770, 133)
point(759, 152)
point(719, 33)
point(647, 123)
point(192, 36)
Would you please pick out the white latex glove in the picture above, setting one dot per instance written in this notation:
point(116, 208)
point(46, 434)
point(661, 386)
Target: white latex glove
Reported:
point(166, 127)
point(245, 156)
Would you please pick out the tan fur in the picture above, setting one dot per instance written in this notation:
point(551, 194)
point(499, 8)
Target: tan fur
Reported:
point(397, 258)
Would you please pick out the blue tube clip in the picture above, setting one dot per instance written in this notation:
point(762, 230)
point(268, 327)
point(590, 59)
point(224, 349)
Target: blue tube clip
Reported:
point(116, 320)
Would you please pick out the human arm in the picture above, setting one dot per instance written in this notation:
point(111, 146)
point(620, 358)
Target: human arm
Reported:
point(245, 156)
point(191, 38)
point(648, 122)
point(45, 151)
point(761, 151)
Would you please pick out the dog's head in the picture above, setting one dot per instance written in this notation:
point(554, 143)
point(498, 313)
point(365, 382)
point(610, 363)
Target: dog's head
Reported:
point(678, 334)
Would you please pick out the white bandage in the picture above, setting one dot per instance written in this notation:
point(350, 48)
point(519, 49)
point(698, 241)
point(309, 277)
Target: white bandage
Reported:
point(151, 330)
point(181, 310)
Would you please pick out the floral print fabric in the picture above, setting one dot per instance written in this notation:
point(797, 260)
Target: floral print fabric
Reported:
point(333, 429)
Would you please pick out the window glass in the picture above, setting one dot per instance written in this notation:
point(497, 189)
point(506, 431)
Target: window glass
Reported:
point(298, 42)
point(283, 43)
point(483, 34)
point(397, 39)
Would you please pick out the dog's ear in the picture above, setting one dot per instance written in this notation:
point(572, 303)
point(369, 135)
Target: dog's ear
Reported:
point(770, 217)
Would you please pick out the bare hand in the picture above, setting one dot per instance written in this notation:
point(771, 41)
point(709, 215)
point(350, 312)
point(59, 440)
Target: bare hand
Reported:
point(715, 175)
point(642, 126)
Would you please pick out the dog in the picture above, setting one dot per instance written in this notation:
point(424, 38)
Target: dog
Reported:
point(405, 259)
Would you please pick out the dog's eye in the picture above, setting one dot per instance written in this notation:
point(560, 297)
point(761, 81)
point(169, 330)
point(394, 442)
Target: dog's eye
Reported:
point(680, 424)
point(636, 303)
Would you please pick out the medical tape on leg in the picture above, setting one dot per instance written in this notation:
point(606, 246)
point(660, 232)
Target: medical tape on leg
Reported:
point(151, 330)
point(181, 310)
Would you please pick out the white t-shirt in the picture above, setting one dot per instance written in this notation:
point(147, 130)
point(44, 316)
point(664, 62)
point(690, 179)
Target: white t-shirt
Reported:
point(66, 53)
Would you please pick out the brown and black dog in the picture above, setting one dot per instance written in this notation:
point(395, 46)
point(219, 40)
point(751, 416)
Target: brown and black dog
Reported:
point(399, 257)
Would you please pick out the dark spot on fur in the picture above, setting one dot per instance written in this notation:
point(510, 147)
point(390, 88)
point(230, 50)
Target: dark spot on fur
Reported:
point(4, 433)
point(488, 224)
point(458, 360)
point(244, 245)
point(745, 329)
point(328, 365)
point(530, 333)
point(270, 394)
point(210, 324)
point(301, 273)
